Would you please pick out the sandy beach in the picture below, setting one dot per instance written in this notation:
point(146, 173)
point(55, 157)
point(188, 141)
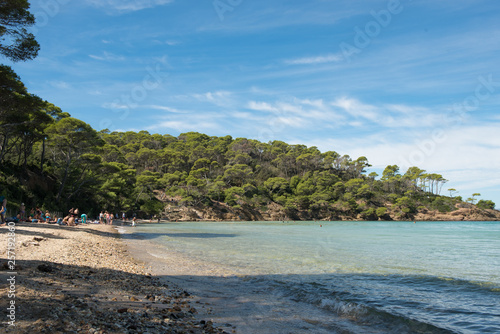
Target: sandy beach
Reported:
point(83, 280)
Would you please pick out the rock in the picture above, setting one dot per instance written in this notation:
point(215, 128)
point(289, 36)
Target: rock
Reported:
point(45, 268)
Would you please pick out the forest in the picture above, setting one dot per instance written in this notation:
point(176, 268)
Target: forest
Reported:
point(55, 161)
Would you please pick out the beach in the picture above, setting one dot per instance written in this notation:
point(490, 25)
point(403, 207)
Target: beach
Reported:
point(84, 280)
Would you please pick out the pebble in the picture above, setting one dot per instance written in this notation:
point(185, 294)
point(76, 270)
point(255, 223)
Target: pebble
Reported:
point(89, 284)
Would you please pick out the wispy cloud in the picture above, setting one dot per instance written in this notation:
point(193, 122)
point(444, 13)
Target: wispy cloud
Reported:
point(164, 108)
point(115, 105)
point(331, 58)
point(107, 56)
point(121, 106)
point(199, 124)
point(60, 84)
point(95, 92)
point(127, 5)
point(261, 106)
point(219, 98)
point(388, 115)
point(357, 109)
point(470, 148)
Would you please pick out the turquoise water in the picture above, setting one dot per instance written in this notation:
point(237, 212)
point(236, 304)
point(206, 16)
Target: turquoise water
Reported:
point(401, 277)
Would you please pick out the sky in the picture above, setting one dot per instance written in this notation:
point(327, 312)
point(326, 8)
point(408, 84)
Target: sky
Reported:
point(410, 83)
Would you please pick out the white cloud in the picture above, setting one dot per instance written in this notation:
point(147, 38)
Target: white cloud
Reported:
point(193, 123)
point(164, 108)
point(60, 84)
point(315, 103)
point(119, 106)
point(331, 58)
point(357, 109)
point(115, 105)
point(468, 156)
point(219, 98)
point(127, 5)
point(388, 115)
point(95, 92)
point(107, 56)
point(261, 106)
point(285, 107)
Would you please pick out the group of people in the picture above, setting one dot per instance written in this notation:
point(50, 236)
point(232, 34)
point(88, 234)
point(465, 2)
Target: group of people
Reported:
point(106, 218)
point(37, 215)
point(73, 217)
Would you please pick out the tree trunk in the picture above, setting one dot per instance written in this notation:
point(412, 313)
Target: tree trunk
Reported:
point(3, 147)
point(43, 155)
point(58, 197)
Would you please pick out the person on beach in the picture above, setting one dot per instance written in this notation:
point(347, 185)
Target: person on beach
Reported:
point(133, 221)
point(3, 210)
point(32, 215)
point(76, 215)
point(111, 217)
point(71, 217)
point(38, 213)
point(124, 216)
point(47, 216)
point(22, 212)
point(84, 218)
point(101, 218)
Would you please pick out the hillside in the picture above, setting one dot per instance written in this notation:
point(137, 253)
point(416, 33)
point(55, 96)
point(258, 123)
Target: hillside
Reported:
point(218, 211)
point(54, 161)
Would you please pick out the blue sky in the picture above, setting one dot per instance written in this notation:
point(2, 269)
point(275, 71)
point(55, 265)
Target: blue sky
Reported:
point(412, 83)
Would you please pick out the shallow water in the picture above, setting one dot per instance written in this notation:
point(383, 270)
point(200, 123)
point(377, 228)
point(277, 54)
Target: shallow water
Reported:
point(345, 277)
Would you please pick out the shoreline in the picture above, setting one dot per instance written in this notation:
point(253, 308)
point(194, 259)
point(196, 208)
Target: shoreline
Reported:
point(83, 279)
point(238, 302)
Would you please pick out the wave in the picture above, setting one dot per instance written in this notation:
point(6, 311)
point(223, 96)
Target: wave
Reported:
point(436, 306)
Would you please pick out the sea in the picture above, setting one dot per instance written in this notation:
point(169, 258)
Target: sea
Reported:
point(332, 277)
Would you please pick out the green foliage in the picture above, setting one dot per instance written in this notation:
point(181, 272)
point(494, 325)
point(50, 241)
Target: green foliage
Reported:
point(442, 205)
point(16, 43)
point(486, 204)
point(233, 195)
point(152, 207)
point(381, 212)
point(369, 214)
point(277, 186)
